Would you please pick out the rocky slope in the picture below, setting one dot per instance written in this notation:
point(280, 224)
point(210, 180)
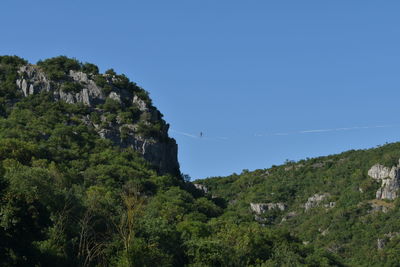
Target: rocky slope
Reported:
point(347, 204)
point(119, 110)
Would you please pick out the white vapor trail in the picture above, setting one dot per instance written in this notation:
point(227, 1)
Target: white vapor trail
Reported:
point(185, 134)
point(345, 129)
point(329, 130)
point(310, 131)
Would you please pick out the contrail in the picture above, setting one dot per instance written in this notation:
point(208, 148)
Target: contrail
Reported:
point(185, 134)
point(317, 131)
point(311, 131)
point(344, 129)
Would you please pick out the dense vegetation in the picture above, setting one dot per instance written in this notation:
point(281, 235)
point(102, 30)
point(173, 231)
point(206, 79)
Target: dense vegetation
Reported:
point(71, 198)
point(349, 230)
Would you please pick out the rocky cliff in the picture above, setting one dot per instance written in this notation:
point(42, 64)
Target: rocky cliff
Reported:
point(119, 110)
point(389, 178)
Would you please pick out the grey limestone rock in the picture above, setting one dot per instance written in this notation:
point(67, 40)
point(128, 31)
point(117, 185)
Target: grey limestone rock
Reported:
point(161, 151)
point(32, 80)
point(389, 178)
point(260, 208)
point(201, 188)
point(330, 205)
point(376, 207)
point(315, 200)
point(379, 172)
point(381, 242)
point(318, 165)
point(139, 103)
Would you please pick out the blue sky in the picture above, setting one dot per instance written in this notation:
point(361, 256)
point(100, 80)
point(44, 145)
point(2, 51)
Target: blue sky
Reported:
point(265, 81)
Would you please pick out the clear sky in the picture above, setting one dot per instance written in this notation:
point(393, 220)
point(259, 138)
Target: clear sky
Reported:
point(264, 81)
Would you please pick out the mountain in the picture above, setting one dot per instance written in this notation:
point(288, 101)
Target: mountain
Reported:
point(347, 204)
point(116, 108)
point(90, 177)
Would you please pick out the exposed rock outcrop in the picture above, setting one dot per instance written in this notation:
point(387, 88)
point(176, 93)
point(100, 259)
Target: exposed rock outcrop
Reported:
point(379, 172)
point(380, 206)
point(159, 150)
point(389, 178)
point(201, 188)
point(381, 242)
point(315, 200)
point(330, 205)
point(260, 208)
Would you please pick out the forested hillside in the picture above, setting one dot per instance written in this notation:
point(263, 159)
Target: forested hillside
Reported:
point(346, 204)
point(89, 177)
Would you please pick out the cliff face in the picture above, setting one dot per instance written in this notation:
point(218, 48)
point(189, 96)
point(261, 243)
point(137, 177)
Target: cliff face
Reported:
point(119, 110)
point(389, 178)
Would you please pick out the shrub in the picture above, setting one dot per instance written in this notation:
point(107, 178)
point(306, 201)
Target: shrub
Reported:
point(111, 105)
point(90, 68)
point(111, 72)
point(95, 117)
point(124, 131)
point(100, 80)
point(71, 87)
point(8, 77)
point(107, 89)
point(57, 68)
point(149, 130)
point(126, 117)
point(13, 61)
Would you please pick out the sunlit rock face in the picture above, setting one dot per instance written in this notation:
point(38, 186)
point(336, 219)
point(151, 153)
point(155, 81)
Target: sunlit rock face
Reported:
point(389, 178)
point(160, 151)
point(260, 208)
point(201, 187)
point(315, 200)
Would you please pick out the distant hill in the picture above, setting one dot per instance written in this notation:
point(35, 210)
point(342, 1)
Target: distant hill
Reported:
point(346, 204)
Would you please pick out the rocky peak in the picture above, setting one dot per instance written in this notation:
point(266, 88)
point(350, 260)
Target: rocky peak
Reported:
point(119, 109)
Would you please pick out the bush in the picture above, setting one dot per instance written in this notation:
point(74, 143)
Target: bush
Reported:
point(71, 87)
point(107, 89)
point(111, 72)
point(124, 131)
point(149, 130)
point(125, 117)
point(13, 61)
point(57, 68)
point(100, 80)
point(8, 77)
point(111, 105)
point(95, 117)
point(90, 68)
